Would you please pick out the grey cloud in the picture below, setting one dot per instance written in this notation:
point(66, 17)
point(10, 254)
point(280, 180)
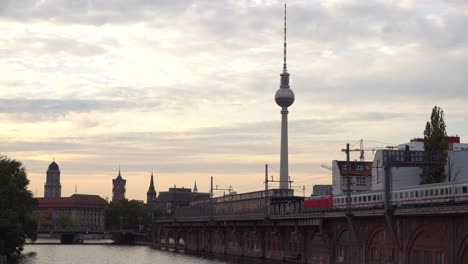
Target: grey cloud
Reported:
point(236, 24)
point(428, 75)
point(94, 12)
point(42, 109)
point(46, 44)
point(243, 138)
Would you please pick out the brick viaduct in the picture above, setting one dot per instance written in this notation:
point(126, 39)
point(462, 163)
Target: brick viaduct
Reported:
point(416, 235)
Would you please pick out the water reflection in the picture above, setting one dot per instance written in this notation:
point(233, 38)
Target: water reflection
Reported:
point(116, 254)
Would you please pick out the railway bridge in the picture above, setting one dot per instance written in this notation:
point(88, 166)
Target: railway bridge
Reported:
point(76, 235)
point(282, 231)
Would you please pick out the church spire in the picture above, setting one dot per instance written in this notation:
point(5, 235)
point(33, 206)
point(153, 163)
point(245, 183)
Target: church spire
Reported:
point(151, 194)
point(151, 182)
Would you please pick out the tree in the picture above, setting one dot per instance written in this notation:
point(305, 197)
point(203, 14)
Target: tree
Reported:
point(16, 204)
point(46, 219)
point(65, 221)
point(435, 141)
point(126, 214)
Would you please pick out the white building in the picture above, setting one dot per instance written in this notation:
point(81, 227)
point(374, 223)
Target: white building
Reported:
point(418, 144)
point(404, 176)
point(456, 168)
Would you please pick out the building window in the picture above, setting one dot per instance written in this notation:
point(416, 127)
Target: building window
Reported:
point(346, 179)
point(359, 167)
point(345, 167)
point(361, 181)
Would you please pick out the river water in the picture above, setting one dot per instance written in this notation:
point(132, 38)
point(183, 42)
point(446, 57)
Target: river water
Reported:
point(113, 254)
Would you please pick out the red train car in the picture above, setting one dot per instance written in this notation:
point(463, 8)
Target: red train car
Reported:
point(319, 203)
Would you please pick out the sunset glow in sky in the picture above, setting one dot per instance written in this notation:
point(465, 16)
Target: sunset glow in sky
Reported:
point(186, 88)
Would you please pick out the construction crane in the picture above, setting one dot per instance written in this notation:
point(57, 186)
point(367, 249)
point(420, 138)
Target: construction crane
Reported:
point(326, 167)
point(361, 149)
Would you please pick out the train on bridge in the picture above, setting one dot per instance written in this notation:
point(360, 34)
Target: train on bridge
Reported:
point(282, 202)
point(437, 193)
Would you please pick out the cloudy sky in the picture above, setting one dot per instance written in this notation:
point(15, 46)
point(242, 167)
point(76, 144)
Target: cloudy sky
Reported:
point(186, 88)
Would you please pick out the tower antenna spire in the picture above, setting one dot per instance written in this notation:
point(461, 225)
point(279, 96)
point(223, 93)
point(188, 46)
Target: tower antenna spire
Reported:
point(285, 68)
point(284, 97)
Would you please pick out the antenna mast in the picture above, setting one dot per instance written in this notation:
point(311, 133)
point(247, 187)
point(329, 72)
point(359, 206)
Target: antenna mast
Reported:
point(284, 56)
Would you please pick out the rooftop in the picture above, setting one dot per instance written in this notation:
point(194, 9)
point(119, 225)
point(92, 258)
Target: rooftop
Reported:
point(74, 201)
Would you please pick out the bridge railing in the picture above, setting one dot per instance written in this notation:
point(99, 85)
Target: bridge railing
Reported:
point(255, 207)
point(69, 229)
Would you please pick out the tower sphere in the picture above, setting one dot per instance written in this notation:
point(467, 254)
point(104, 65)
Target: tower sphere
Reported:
point(284, 97)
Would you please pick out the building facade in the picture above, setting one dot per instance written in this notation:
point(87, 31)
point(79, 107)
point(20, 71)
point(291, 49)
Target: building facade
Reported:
point(322, 189)
point(118, 187)
point(177, 197)
point(52, 187)
point(77, 212)
point(360, 173)
point(453, 144)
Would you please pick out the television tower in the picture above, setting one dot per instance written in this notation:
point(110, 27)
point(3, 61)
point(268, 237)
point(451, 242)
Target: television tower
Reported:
point(284, 97)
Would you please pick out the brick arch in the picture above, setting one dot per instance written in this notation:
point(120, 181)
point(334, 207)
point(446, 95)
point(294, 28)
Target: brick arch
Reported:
point(426, 245)
point(203, 238)
point(159, 235)
point(317, 248)
point(293, 244)
point(253, 243)
point(347, 250)
point(381, 247)
point(274, 241)
point(191, 241)
point(218, 241)
point(181, 237)
point(233, 238)
point(462, 255)
point(170, 234)
point(274, 246)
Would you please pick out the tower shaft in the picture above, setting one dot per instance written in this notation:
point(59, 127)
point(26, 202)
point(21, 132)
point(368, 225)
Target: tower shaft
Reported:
point(284, 167)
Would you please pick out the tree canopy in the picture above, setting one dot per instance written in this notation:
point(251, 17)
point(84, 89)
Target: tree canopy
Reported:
point(435, 141)
point(126, 214)
point(16, 204)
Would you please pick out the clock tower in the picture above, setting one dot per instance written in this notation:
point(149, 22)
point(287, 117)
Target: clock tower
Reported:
point(118, 188)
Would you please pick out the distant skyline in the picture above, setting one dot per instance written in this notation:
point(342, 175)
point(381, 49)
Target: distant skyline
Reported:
point(186, 88)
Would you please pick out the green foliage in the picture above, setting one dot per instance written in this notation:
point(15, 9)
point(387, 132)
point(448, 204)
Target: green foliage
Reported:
point(127, 213)
point(46, 219)
point(16, 203)
point(435, 141)
point(65, 221)
point(157, 212)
